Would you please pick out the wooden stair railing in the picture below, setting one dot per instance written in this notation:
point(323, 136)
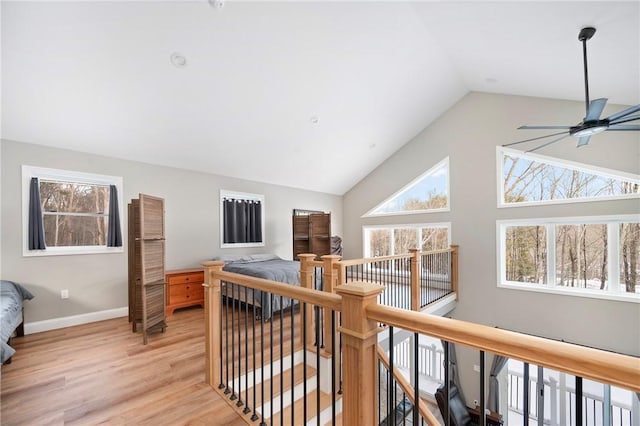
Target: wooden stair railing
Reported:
point(360, 316)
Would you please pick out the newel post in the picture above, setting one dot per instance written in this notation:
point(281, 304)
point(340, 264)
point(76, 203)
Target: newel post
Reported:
point(212, 320)
point(415, 279)
point(359, 341)
point(306, 281)
point(330, 278)
point(454, 269)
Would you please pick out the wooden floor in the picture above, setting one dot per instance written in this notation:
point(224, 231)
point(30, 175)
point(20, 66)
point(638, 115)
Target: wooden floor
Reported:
point(101, 373)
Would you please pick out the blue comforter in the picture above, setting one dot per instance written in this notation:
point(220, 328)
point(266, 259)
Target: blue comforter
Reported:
point(11, 297)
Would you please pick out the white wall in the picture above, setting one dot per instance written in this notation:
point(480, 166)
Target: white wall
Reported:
point(469, 133)
point(99, 282)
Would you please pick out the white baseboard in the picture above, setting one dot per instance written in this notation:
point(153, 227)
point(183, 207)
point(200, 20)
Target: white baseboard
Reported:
point(55, 323)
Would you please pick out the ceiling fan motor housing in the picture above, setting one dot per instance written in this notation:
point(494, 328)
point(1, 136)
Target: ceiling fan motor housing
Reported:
point(589, 128)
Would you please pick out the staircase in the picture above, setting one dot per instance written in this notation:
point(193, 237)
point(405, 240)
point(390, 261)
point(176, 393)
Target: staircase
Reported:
point(275, 394)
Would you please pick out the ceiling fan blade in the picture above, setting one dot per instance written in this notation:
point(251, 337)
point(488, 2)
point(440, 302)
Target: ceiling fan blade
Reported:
point(584, 140)
point(535, 139)
point(595, 109)
point(625, 120)
point(624, 127)
point(543, 127)
point(623, 113)
point(548, 143)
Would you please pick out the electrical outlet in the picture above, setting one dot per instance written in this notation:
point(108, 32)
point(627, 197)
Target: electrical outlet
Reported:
point(64, 294)
point(476, 368)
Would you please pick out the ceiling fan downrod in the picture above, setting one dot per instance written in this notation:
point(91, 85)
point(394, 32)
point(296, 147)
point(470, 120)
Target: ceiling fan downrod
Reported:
point(586, 34)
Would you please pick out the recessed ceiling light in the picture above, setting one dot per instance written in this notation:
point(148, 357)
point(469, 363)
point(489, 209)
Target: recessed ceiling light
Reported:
point(218, 4)
point(314, 119)
point(491, 80)
point(178, 60)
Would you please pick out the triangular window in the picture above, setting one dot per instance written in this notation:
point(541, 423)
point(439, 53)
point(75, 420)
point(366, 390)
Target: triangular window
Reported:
point(427, 193)
point(527, 179)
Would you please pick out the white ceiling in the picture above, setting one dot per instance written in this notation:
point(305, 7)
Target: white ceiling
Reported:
point(96, 76)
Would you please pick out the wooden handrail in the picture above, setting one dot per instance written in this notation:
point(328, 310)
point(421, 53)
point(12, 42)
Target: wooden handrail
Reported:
point(594, 364)
point(314, 297)
point(408, 390)
point(352, 262)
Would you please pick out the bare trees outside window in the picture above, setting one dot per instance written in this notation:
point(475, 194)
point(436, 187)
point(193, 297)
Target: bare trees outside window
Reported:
point(530, 178)
point(594, 254)
point(399, 239)
point(74, 214)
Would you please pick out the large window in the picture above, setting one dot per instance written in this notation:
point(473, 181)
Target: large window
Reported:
point(429, 192)
point(74, 211)
point(592, 256)
point(388, 240)
point(532, 179)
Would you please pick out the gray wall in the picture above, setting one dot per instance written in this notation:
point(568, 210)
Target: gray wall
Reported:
point(469, 133)
point(99, 282)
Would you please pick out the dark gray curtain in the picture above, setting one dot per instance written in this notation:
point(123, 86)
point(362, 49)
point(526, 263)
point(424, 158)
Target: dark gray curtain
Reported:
point(36, 227)
point(114, 235)
point(242, 221)
point(493, 401)
point(453, 369)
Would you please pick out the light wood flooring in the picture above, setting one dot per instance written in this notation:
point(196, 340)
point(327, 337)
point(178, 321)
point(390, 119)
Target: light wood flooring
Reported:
point(101, 373)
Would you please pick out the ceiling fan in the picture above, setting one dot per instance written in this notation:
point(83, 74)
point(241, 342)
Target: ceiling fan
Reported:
point(592, 123)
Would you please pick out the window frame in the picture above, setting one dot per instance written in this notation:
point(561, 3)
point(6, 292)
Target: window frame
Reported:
point(447, 208)
point(417, 226)
point(244, 196)
point(557, 162)
point(43, 173)
point(613, 291)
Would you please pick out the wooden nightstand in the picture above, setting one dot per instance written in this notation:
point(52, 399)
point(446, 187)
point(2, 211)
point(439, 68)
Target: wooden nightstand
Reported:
point(184, 288)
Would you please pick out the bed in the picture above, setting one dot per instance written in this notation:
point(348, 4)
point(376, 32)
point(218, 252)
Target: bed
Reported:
point(12, 295)
point(266, 266)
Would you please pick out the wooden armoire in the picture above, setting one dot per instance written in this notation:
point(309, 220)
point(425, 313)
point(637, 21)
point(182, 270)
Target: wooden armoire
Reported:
point(311, 233)
point(146, 265)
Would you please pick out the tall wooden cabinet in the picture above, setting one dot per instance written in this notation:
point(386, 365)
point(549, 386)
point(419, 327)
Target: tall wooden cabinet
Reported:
point(146, 265)
point(311, 233)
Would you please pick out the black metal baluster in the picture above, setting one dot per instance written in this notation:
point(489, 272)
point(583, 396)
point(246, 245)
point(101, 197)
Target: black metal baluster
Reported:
point(304, 357)
point(579, 401)
point(333, 368)
point(281, 362)
point(391, 384)
point(233, 343)
point(226, 337)
point(254, 416)
point(318, 375)
point(263, 301)
point(416, 390)
point(525, 395)
point(246, 351)
point(271, 357)
point(445, 347)
point(293, 346)
point(483, 420)
point(238, 330)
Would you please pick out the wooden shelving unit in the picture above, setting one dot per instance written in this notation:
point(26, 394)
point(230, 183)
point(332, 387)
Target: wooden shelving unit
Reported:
point(146, 265)
point(311, 234)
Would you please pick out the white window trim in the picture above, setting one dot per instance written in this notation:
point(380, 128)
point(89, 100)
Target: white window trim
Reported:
point(445, 161)
point(586, 168)
point(612, 293)
point(245, 196)
point(43, 173)
point(418, 226)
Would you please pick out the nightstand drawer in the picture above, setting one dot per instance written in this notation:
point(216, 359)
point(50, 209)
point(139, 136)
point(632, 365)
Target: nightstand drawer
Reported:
point(192, 277)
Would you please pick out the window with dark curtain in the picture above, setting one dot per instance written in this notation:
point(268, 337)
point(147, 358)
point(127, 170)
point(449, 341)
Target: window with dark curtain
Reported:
point(242, 221)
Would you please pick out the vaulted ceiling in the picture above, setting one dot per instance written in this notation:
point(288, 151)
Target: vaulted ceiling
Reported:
point(308, 94)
